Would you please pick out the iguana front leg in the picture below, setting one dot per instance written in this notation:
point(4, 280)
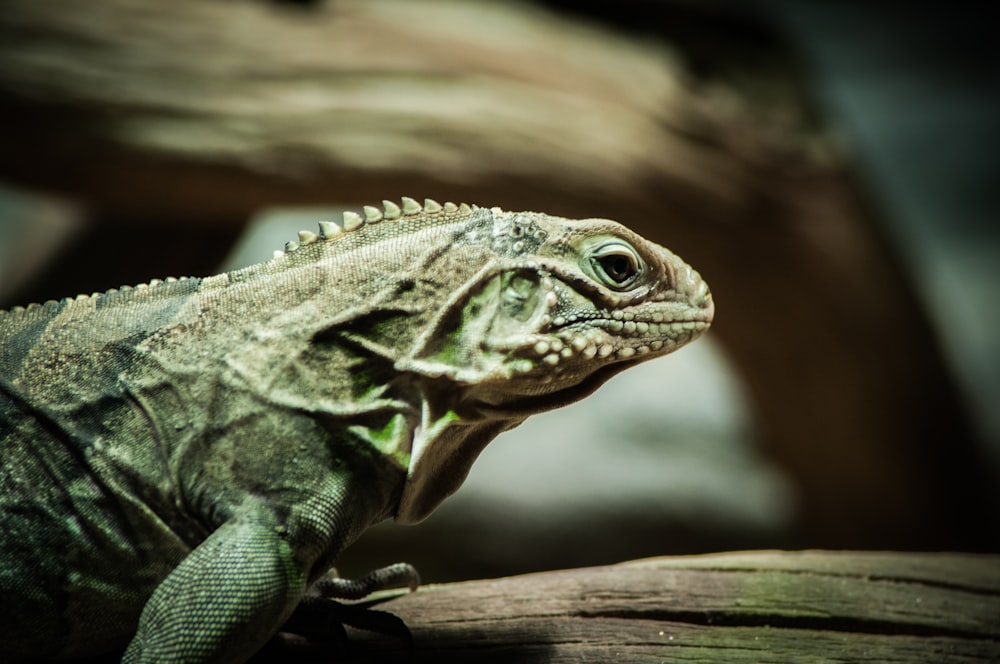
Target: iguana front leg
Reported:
point(226, 599)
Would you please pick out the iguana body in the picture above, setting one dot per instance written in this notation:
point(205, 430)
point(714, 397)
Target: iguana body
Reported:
point(180, 461)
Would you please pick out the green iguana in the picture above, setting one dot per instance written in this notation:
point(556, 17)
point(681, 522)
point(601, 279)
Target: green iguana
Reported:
point(182, 461)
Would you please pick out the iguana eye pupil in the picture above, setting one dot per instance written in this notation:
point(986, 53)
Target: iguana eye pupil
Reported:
point(618, 267)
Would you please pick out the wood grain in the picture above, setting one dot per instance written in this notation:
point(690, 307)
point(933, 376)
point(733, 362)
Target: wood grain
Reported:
point(764, 606)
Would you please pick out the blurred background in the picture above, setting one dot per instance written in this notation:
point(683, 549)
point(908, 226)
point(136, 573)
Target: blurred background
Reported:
point(829, 167)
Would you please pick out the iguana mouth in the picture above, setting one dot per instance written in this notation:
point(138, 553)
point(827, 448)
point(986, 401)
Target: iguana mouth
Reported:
point(603, 337)
point(655, 327)
point(627, 325)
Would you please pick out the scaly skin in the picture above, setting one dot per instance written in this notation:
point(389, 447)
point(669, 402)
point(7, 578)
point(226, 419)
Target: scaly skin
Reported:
point(181, 461)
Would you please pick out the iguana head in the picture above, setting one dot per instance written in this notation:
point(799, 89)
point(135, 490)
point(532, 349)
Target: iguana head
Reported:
point(560, 306)
point(497, 315)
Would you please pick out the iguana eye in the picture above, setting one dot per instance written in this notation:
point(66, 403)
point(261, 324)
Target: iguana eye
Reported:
point(616, 264)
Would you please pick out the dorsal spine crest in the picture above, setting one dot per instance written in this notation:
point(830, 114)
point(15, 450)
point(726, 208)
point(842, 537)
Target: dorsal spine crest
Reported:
point(390, 211)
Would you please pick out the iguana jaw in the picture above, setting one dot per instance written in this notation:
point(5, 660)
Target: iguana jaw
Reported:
point(599, 336)
point(446, 444)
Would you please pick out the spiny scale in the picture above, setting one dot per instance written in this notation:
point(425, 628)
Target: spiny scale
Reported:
point(329, 229)
point(390, 211)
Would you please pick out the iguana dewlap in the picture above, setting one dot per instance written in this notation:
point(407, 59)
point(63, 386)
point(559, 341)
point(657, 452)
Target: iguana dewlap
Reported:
point(180, 461)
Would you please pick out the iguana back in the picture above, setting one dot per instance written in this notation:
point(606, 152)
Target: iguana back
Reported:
point(185, 458)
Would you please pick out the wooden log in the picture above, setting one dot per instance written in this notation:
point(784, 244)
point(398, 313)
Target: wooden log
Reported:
point(762, 606)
